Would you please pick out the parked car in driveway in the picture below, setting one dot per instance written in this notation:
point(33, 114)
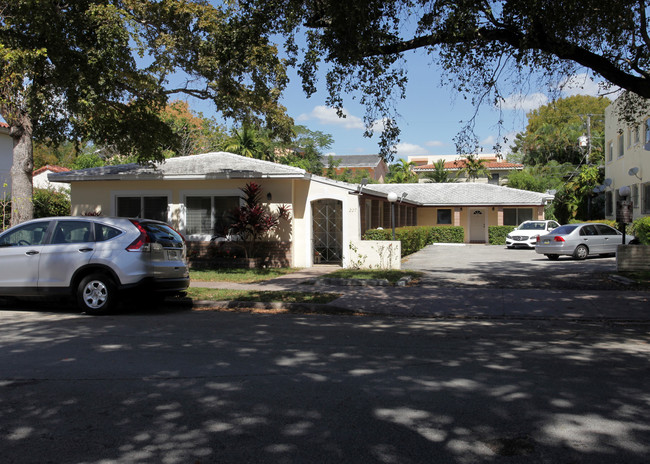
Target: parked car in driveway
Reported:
point(580, 241)
point(525, 235)
point(92, 259)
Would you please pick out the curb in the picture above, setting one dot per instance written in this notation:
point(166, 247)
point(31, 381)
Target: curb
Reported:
point(259, 305)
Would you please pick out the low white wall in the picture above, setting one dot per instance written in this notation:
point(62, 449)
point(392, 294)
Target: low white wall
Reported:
point(374, 254)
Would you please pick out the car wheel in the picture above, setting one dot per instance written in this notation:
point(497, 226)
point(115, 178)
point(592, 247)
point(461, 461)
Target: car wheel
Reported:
point(553, 257)
point(96, 294)
point(581, 252)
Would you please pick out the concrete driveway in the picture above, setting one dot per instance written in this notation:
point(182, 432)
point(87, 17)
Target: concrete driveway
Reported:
point(499, 267)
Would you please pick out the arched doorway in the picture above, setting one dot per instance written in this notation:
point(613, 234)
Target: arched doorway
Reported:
point(327, 227)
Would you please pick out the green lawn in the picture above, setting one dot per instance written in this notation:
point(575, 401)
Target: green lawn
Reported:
point(214, 294)
point(242, 276)
point(392, 275)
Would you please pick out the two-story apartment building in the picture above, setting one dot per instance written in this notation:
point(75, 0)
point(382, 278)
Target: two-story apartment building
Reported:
point(497, 170)
point(627, 162)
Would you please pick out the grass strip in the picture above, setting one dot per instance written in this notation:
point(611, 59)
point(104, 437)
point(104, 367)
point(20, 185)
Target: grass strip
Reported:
point(216, 294)
point(392, 275)
point(243, 276)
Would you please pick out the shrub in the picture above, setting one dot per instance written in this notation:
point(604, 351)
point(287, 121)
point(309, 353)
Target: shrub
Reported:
point(641, 229)
point(50, 202)
point(416, 238)
point(497, 234)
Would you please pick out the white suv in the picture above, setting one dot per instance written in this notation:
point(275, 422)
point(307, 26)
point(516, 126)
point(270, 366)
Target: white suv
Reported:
point(93, 259)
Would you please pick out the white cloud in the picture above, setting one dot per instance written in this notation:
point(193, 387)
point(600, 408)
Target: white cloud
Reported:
point(489, 141)
point(435, 143)
point(410, 149)
point(523, 102)
point(325, 115)
point(583, 84)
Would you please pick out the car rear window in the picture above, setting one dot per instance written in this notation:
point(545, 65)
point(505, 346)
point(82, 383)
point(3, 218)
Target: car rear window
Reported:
point(163, 234)
point(564, 230)
point(104, 232)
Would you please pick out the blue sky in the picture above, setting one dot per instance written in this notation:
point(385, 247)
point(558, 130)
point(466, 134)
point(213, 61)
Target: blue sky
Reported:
point(430, 115)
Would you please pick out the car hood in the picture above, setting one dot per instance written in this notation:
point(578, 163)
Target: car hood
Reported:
point(527, 233)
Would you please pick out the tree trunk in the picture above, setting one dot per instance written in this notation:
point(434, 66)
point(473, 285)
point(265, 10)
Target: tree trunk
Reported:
point(22, 207)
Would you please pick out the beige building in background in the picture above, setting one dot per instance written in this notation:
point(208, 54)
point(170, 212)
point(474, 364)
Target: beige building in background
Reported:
point(627, 162)
point(195, 193)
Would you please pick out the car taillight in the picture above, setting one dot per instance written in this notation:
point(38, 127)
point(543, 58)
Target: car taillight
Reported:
point(537, 240)
point(141, 241)
point(557, 238)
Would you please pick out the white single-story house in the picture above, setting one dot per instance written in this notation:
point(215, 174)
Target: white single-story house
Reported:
point(41, 181)
point(6, 160)
point(195, 193)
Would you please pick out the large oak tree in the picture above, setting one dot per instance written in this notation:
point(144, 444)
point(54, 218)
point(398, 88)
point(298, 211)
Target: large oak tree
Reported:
point(479, 44)
point(103, 70)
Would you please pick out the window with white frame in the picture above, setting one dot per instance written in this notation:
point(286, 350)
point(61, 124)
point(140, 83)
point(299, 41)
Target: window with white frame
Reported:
point(209, 215)
point(645, 209)
point(636, 134)
point(635, 195)
point(609, 204)
point(610, 151)
point(621, 146)
point(443, 217)
point(149, 207)
point(629, 137)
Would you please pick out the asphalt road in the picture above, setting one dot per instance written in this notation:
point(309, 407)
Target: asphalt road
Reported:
point(215, 387)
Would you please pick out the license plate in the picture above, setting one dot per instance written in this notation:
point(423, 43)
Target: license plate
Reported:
point(547, 242)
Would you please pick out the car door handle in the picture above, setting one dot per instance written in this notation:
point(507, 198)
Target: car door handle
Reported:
point(85, 249)
point(31, 252)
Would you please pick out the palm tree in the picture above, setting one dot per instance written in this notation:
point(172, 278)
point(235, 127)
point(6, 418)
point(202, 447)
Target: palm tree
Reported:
point(439, 173)
point(250, 143)
point(474, 168)
point(402, 173)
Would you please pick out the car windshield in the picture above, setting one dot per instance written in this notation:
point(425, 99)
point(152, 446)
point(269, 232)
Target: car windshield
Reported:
point(163, 234)
point(565, 230)
point(532, 226)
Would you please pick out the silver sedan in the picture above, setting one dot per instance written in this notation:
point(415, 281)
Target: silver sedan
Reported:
point(580, 241)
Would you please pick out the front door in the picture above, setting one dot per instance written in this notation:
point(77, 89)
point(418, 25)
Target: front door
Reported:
point(477, 220)
point(328, 232)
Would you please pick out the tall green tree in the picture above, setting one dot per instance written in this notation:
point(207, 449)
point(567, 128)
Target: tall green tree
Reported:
point(250, 142)
point(102, 70)
point(553, 130)
point(363, 45)
point(306, 150)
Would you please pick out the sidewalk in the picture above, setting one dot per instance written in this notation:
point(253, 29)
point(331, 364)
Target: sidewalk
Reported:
point(427, 300)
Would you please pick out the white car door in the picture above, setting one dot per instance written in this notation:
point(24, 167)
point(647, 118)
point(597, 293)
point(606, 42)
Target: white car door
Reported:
point(611, 238)
point(20, 254)
point(69, 249)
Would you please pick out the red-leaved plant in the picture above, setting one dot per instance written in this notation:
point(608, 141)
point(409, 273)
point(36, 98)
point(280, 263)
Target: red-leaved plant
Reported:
point(252, 220)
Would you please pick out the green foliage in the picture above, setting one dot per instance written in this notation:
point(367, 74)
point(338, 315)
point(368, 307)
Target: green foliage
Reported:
point(76, 71)
point(641, 230)
point(552, 131)
point(415, 238)
point(401, 173)
point(50, 202)
point(439, 173)
point(497, 234)
point(362, 48)
point(305, 150)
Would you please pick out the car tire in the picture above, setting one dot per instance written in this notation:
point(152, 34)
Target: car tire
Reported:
point(553, 257)
point(96, 294)
point(581, 252)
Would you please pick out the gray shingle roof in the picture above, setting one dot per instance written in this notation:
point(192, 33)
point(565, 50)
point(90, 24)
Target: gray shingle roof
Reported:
point(462, 193)
point(207, 165)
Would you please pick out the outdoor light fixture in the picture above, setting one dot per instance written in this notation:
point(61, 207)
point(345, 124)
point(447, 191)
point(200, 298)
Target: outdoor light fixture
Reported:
point(404, 194)
point(392, 198)
point(634, 172)
point(269, 196)
point(624, 191)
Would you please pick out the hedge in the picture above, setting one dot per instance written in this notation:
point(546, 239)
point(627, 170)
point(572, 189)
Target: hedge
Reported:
point(416, 238)
point(497, 234)
point(641, 229)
